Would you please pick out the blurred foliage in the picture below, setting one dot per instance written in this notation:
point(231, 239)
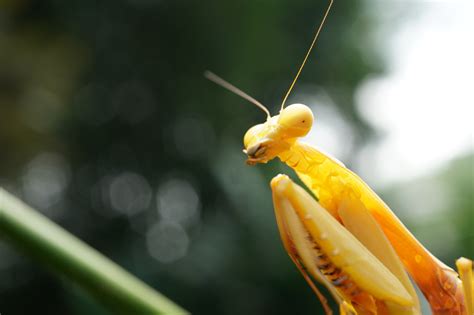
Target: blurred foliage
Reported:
point(108, 127)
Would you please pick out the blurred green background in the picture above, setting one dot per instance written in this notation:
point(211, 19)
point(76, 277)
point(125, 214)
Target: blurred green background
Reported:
point(108, 127)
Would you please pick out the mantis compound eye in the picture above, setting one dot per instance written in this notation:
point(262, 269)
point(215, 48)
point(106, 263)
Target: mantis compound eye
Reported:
point(296, 120)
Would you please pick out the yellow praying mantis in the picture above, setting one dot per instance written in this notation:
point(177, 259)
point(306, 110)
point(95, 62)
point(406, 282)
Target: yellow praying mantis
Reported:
point(348, 239)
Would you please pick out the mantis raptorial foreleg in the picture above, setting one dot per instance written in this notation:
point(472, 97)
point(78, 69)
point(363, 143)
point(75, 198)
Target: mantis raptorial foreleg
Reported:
point(464, 266)
point(299, 249)
point(332, 255)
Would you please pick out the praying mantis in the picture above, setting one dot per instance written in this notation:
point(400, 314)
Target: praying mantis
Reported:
point(348, 239)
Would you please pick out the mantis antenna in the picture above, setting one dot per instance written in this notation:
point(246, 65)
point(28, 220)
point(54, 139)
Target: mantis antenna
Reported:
point(219, 81)
point(307, 53)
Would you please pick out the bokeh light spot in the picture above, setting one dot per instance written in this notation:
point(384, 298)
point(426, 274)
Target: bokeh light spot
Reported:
point(45, 180)
point(130, 193)
point(167, 241)
point(178, 201)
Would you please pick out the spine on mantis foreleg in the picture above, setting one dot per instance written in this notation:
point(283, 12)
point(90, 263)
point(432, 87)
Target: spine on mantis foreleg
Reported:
point(328, 179)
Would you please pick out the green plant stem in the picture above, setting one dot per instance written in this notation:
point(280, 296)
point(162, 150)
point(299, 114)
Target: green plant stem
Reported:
point(37, 236)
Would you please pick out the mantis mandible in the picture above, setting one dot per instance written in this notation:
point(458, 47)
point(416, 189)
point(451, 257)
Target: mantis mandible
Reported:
point(349, 240)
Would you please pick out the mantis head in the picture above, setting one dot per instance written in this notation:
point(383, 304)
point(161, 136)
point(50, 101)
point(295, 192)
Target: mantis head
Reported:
point(263, 142)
